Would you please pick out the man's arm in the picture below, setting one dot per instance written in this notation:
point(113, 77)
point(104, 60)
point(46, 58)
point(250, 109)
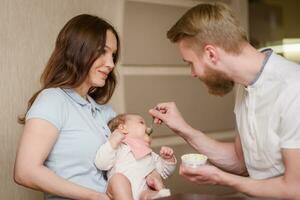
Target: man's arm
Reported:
point(283, 187)
point(227, 156)
point(286, 186)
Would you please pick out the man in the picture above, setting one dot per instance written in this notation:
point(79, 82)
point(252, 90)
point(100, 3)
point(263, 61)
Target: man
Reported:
point(264, 160)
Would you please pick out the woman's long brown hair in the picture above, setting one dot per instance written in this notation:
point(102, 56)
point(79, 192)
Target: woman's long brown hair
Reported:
point(78, 45)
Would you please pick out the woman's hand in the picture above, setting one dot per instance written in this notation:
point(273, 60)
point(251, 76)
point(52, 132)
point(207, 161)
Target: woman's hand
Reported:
point(170, 115)
point(154, 181)
point(116, 138)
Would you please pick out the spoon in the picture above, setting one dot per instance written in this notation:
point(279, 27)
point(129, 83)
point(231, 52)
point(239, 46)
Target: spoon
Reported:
point(149, 130)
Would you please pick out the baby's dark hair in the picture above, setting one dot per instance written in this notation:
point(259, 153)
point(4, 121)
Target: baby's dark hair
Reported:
point(116, 121)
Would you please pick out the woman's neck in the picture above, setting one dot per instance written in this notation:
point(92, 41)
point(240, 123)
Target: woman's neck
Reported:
point(82, 90)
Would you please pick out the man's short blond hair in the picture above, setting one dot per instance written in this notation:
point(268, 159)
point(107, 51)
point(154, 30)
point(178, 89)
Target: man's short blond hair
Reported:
point(210, 24)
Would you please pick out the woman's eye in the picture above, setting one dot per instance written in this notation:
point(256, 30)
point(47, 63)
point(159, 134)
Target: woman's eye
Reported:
point(142, 122)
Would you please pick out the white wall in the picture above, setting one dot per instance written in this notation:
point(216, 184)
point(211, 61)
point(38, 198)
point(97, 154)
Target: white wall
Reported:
point(27, 36)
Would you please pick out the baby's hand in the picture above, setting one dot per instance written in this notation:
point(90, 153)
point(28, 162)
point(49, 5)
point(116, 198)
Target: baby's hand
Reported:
point(116, 138)
point(167, 154)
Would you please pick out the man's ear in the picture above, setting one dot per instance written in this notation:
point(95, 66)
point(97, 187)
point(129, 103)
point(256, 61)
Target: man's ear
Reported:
point(122, 127)
point(211, 53)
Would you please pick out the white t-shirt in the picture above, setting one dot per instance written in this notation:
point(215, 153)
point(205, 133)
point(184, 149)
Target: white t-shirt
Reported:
point(268, 117)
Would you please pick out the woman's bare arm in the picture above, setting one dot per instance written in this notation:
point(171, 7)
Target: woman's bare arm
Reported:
point(36, 142)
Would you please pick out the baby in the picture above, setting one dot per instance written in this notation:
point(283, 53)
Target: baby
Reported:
point(128, 152)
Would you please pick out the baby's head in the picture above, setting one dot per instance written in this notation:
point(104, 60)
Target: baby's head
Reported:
point(133, 125)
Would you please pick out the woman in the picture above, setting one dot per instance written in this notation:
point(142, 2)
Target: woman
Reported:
point(65, 122)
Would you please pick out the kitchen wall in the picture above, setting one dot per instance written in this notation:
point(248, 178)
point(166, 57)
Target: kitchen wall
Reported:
point(28, 32)
point(27, 37)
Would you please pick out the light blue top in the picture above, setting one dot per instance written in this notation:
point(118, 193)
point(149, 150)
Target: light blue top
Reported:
point(82, 129)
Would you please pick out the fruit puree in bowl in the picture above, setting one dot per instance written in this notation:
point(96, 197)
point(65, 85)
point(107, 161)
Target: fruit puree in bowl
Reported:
point(193, 159)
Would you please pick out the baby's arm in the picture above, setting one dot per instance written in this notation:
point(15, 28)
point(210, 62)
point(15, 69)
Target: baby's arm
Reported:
point(106, 154)
point(166, 162)
point(165, 165)
point(167, 154)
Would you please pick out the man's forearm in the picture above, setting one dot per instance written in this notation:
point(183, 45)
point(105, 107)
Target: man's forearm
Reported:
point(272, 188)
point(221, 154)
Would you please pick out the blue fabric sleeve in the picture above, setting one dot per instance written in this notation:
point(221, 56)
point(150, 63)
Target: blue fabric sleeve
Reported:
point(49, 105)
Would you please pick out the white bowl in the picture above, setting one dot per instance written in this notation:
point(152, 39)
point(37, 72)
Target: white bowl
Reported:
point(194, 159)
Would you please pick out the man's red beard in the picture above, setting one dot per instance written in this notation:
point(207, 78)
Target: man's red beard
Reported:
point(217, 83)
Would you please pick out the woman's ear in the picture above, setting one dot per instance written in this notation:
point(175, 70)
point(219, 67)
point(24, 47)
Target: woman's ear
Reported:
point(122, 127)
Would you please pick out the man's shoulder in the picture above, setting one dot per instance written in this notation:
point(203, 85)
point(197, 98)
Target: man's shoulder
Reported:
point(290, 93)
point(284, 68)
point(291, 87)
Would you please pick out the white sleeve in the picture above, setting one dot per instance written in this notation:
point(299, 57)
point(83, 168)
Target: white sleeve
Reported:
point(163, 167)
point(290, 119)
point(105, 157)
